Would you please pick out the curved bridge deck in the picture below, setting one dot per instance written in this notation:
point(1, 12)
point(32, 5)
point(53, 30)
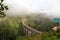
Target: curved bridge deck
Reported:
point(28, 31)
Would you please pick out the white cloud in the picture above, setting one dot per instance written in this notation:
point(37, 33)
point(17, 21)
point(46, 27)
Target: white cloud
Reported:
point(36, 5)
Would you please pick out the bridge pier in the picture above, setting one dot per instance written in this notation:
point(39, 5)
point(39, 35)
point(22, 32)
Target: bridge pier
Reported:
point(29, 33)
point(26, 32)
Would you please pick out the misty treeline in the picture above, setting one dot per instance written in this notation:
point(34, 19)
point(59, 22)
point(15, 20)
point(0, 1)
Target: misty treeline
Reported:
point(41, 22)
point(11, 27)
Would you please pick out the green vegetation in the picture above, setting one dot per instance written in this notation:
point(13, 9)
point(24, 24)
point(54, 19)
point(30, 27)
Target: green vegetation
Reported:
point(11, 28)
point(39, 22)
point(45, 36)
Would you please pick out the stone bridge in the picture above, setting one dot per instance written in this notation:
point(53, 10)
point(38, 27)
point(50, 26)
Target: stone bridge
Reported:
point(28, 31)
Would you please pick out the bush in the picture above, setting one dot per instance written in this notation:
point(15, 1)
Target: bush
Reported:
point(10, 29)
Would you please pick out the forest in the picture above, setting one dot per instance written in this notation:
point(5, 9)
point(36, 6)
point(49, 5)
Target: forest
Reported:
point(11, 27)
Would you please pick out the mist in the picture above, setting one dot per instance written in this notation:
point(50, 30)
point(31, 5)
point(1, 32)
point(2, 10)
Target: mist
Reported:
point(18, 7)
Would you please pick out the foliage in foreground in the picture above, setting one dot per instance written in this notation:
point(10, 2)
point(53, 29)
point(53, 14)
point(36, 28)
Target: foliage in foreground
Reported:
point(10, 29)
point(3, 7)
point(45, 36)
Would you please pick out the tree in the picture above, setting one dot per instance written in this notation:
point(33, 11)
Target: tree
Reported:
point(2, 8)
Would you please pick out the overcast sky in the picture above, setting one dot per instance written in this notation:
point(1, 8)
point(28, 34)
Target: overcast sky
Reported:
point(52, 6)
